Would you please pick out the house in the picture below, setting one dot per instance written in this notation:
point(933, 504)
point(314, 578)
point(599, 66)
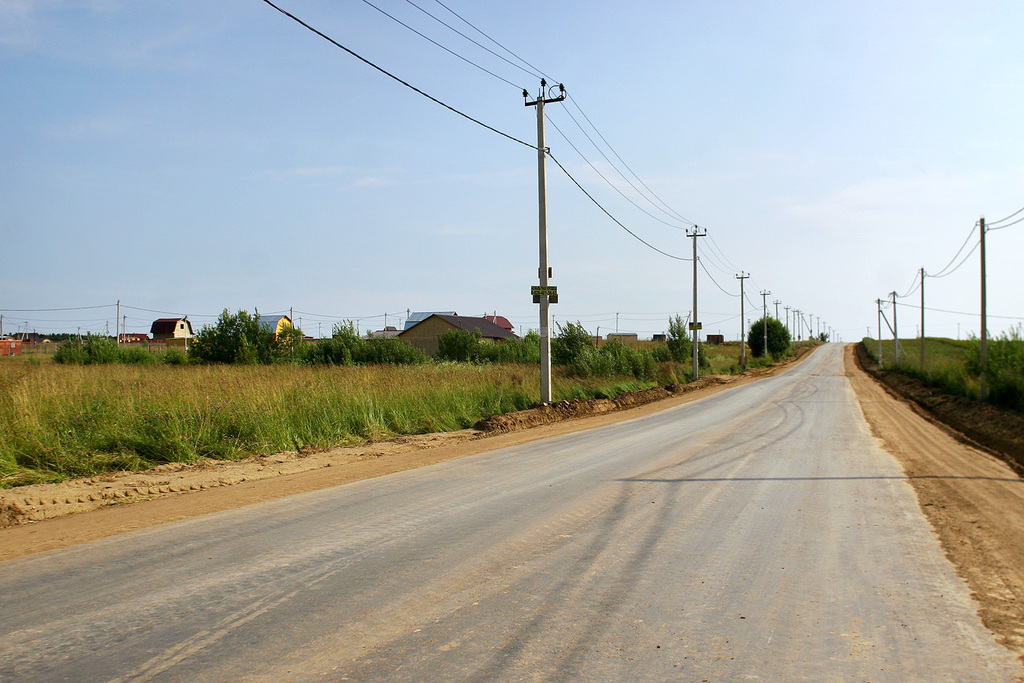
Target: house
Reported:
point(424, 334)
point(501, 321)
point(171, 328)
point(275, 323)
point(134, 337)
point(388, 332)
point(419, 316)
point(623, 337)
point(659, 337)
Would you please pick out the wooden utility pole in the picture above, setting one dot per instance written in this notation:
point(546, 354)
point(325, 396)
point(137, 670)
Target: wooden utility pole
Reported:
point(922, 320)
point(984, 319)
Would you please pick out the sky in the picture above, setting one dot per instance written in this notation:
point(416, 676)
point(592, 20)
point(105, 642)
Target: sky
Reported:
point(189, 157)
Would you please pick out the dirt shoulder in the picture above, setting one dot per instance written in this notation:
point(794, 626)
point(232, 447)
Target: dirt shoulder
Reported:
point(43, 517)
point(974, 501)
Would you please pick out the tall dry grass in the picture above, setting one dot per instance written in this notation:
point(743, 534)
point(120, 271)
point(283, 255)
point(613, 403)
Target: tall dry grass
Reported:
point(62, 421)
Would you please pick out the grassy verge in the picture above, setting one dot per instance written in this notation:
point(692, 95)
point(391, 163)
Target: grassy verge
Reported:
point(63, 421)
point(955, 366)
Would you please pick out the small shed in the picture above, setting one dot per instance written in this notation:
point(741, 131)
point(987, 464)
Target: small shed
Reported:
point(10, 347)
point(716, 339)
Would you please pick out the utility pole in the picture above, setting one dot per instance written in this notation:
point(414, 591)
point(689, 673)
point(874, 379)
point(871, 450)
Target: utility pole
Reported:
point(694, 324)
point(777, 302)
point(922, 320)
point(764, 319)
point(895, 331)
point(117, 322)
point(787, 322)
point(879, 302)
point(545, 295)
point(796, 321)
point(743, 330)
point(984, 319)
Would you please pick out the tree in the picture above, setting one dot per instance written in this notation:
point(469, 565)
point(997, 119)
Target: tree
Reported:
point(238, 339)
point(572, 343)
point(778, 338)
point(679, 347)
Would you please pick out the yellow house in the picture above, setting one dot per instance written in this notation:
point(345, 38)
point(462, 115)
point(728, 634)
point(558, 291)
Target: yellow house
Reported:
point(275, 323)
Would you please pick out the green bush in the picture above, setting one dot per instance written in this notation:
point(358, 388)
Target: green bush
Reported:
point(346, 347)
point(571, 343)
point(101, 350)
point(525, 350)
point(459, 346)
point(237, 339)
point(778, 338)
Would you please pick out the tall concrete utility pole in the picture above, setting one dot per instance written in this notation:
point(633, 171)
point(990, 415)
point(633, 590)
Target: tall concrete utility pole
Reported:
point(743, 330)
point(984, 319)
point(695, 324)
point(545, 295)
point(117, 322)
point(787, 323)
point(764, 319)
point(777, 302)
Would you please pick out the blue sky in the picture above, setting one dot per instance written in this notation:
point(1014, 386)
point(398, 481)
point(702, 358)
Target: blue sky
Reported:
point(187, 157)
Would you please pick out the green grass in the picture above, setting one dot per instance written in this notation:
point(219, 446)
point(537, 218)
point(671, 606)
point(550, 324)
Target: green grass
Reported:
point(955, 366)
point(63, 421)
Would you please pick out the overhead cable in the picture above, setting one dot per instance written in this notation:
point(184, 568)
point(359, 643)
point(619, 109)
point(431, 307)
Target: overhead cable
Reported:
point(434, 42)
point(396, 78)
point(1002, 220)
point(534, 73)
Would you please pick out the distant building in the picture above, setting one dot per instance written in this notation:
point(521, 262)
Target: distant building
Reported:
point(275, 323)
point(623, 337)
point(659, 338)
point(419, 316)
point(501, 321)
point(10, 347)
point(424, 334)
point(388, 332)
point(171, 328)
point(134, 337)
point(716, 339)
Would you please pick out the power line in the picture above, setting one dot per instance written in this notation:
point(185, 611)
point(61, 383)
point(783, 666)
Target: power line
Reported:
point(463, 20)
point(604, 178)
point(621, 174)
point(989, 228)
point(735, 296)
point(991, 223)
point(396, 78)
point(605, 141)
point(962, 262)
point(534, 73)
point(434, 42)
point(605, 211)
point(942, 271)
point(41, 310)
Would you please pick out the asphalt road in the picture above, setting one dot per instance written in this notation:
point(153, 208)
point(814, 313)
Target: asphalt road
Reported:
point(757, 534)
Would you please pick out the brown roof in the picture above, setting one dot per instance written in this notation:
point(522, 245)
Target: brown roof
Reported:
point(500, 321)
point(488, 330)
point(168, 325)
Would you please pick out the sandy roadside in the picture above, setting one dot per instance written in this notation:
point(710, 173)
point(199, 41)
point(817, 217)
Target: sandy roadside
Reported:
point(974, 501)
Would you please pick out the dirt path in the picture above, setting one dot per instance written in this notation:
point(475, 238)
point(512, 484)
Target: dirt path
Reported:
point(974, 501)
